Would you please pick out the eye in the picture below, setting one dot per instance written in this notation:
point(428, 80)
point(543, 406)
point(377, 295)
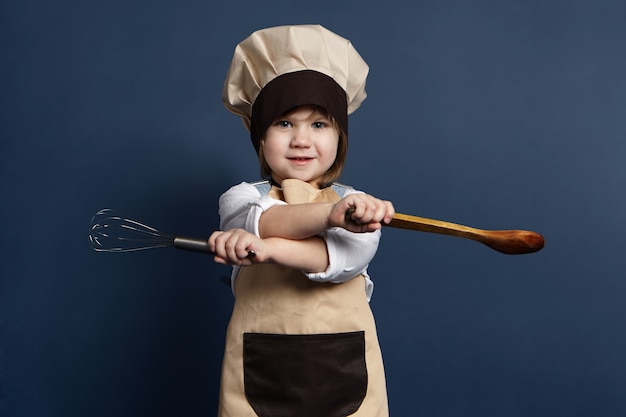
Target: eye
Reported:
point(318, 125)
point(283, 123)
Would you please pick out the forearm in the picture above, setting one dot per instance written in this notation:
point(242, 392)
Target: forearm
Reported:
point(295, 221)
point(236, 245)
point(308, 255)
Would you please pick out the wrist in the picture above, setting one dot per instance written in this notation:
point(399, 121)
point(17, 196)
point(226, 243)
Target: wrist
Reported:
point(330, 221)
point(269, 255)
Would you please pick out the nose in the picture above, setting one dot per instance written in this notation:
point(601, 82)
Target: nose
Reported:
point(301, 138)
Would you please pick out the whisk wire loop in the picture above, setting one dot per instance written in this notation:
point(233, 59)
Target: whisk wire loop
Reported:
point(112, 231)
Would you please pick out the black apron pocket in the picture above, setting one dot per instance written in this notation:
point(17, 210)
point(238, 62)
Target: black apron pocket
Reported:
point(312, 375)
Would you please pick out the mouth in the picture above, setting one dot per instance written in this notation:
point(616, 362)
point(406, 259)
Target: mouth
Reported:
point(300, 159)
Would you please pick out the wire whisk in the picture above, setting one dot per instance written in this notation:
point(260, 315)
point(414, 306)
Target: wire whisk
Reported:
point(112, 231)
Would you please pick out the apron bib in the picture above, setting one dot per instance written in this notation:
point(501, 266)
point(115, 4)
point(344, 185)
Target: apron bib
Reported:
point(300, 348)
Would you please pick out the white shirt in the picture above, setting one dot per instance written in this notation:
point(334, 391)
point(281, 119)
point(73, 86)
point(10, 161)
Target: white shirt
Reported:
point(349, 253)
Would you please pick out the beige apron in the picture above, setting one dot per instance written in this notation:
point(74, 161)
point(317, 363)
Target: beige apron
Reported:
point(300, 348)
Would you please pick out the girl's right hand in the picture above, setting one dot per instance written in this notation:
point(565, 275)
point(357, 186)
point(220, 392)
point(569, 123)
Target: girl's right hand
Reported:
point(233, 247)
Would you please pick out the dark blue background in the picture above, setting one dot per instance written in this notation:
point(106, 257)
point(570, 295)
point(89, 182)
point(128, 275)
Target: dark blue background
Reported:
point(493, 113)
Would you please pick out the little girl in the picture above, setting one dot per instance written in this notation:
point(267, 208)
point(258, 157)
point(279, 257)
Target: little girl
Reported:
point(302, 339)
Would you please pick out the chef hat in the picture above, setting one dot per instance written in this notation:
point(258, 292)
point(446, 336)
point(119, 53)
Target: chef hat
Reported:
point(279, 68)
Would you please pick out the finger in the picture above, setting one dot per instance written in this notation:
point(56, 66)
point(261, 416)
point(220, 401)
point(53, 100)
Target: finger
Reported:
point(379, 211)
point(358, 212)
point(391, 211)
point(212, 239)
point(220, 260)
point(385, 212)
point(231, 248)
point(369, 211)
point(220, 247)
point(242, 242)
point(226, 246)
point(243, 250)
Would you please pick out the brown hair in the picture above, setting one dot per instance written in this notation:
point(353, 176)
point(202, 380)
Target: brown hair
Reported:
point(334, 172)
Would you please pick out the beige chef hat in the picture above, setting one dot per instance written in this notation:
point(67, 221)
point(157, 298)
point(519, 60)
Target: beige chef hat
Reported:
point(279, 68)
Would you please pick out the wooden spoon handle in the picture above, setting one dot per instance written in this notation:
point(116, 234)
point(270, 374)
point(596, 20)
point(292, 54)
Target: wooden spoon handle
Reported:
point(512, 242)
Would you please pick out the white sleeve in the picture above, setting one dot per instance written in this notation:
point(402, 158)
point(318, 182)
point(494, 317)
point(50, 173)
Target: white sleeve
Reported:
point(241, 207)
point(349, 254)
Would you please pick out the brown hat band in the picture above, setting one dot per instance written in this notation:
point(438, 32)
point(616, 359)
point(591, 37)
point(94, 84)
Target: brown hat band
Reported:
point(293, 89)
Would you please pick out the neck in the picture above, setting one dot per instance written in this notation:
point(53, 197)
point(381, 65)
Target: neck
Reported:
point(316, 185)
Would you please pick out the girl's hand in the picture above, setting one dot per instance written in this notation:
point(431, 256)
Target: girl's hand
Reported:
point(233, 247)
point(361, 213)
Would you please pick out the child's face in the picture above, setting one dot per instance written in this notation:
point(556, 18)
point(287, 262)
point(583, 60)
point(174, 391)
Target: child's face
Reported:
point(301, 145)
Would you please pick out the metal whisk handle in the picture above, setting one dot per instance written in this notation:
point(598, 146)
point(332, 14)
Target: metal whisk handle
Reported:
point(197, 245)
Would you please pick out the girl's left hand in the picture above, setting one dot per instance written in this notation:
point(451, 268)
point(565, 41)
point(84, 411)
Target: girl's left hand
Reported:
point(361, 213)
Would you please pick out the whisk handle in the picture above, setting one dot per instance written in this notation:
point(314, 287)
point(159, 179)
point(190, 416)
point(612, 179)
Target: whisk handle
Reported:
point(198, 245)
point(189, 243)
